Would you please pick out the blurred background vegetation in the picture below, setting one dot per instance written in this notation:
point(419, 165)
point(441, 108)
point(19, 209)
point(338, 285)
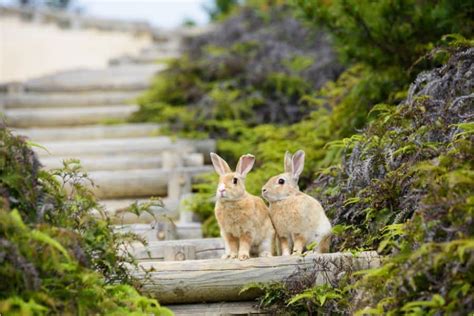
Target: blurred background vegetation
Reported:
point(379, 95)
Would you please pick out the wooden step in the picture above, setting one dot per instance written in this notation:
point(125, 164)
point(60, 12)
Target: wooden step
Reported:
point(123, 146)
point(126, 162)
point(138, 183)
point(33, 117)
point(218, 309)
point(221, 280)
point(62, 100)
point(118, 78)
point(118, 211)
point(156, 231)
point(204, 248)
point(88, 132)
point(145, 58)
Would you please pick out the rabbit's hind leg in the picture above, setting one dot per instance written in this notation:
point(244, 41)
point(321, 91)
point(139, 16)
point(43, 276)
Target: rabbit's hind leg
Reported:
point(265, 247)
point(299, 241)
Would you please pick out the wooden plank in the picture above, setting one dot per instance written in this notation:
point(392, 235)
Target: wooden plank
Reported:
point(224, 308)
point(180, 253)
point(206, 248)
point(217, 280)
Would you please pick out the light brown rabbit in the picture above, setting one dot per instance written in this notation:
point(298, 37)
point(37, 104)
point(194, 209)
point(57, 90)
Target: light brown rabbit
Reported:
point(298, 218)
point(243, 218)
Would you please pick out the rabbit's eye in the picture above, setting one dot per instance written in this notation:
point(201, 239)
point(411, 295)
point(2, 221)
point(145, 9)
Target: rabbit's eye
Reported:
point(281, 181)
point(234, 181)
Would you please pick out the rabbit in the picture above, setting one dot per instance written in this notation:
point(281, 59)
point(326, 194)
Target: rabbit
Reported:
point(243, 218)
point(298, 218)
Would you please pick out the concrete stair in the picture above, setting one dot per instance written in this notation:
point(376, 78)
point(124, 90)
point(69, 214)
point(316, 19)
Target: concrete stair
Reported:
point(81, 114)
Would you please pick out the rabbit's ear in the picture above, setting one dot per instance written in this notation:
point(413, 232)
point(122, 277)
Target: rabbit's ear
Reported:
point(244, 165)
point(288, 163)
point(298, 164)
point(220, 165)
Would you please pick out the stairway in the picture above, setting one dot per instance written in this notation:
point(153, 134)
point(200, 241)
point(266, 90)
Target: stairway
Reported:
point(83, 114)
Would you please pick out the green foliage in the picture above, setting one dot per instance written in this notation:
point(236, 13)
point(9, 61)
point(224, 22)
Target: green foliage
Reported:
point(405, 188)
point(389, 33)
point(221, 8)
point(299, 294)
point(55, 256)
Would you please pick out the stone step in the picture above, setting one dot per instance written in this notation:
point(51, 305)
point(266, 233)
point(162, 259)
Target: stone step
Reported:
point(126, 162)
point(89, 132)
point(139, 182)
point(124, 146)
point(119, 78)
point(31, 117)
point(62, 100)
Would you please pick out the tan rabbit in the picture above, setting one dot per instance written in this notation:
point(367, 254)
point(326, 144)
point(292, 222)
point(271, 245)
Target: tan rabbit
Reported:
point(298, 218)
point(243, 218)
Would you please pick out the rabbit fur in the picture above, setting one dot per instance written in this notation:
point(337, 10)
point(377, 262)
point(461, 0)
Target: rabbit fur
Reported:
point(243, 218)
point(298, 218)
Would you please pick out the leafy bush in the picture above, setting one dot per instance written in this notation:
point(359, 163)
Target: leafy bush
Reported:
point(405, 188)
point(254, 69)
point(55, 256)
point(388, 33)
point(221, 8)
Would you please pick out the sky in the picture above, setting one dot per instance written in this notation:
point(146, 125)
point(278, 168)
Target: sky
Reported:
point(160, 13)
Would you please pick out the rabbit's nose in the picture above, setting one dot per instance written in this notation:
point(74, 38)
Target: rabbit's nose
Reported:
point(264, 190)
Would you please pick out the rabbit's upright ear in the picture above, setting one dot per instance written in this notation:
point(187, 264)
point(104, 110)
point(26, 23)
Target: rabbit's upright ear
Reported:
point(244, 165)
point(288, 163)
point(219, 164)
point(298, 164)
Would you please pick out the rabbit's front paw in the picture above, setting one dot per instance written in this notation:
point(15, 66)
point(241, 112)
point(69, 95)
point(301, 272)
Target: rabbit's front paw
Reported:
point(229, 256)
point(296, 253)
point(243, 256)
point(266, 254)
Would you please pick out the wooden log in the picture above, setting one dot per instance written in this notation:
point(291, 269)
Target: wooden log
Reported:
point(217, 280)
point(207, 248)
point(224, 308)
point(138, 182)
point(180, 252)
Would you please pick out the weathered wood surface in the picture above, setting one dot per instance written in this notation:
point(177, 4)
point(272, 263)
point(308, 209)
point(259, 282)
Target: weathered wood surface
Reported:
point(217, 280)
point(211, 309)
point(206, 248)
point(137, 182)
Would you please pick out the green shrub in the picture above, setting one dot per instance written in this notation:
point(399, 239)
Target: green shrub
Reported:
point(388, 33)
point(55, 256)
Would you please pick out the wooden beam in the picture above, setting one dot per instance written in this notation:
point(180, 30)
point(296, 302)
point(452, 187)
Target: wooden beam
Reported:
point(206, 248)
point(224, 308)
point(216, 280)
